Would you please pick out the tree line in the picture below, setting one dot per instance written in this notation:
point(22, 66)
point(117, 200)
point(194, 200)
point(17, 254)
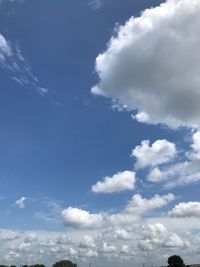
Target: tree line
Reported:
point(173, 261)
point(62, 263)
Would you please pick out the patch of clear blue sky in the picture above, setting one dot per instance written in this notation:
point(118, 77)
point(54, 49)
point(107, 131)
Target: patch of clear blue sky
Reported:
point(60, 150)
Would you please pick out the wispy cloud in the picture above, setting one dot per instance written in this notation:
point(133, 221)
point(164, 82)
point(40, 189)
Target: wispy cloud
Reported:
point(96, 4)
point(13, 62)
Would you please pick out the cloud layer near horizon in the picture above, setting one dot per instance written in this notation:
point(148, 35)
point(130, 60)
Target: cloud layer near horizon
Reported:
point(151, 65)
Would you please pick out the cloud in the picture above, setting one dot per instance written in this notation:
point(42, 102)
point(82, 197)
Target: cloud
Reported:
point(87, 242)
point(161, 151)
point(78, 218)
point(108, 248)
point(135, 208)
point(4, 1)
point(152, 66)
point(186, 209)
point(122, 181)
point(96, 4)
point(174, 241)
point(5, 50)
point(180, 173)
point(139, 205)
point(17, 67)
point(21, 202)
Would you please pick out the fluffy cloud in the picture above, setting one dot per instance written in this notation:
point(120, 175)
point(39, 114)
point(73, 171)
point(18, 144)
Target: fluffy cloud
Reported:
point(180, 173)
point(139, 205)
point(119, 182)
point(87, 242)
point(108, 248)
point(174, 241)
point(186, 209)
point(78, 218)
point(161, 151)
point(156, 235)
point(152, 64)
point(21, 202)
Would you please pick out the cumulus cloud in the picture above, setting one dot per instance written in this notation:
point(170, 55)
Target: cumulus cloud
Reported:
point(139, 205)
point(157, 235)
point(136, 207)
point(21, 202)
point(186, 209)
point(161, 151)
point(108, 248)
point(180, 173)
point(119, 182)
point(152, 66)
point(87, 242)
point(174, 241)
point(79, 218)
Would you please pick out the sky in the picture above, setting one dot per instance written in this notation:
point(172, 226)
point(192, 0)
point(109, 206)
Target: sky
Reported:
point(99, 131)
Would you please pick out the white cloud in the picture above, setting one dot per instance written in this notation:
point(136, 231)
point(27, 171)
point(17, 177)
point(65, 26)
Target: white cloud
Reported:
point(87, 242)
point(186, 209)
point(139, 205)
point(136, 207)
point(155, 175)
point(196, 142)
point(174, 241)
point(161, 151)
point(21, 202)
point(96, 4)
point(152, 64)
point(79, 218)
point(180, 173)
point(108, 248)
point(91, 253)
point(5, 50)
point(119, 182)
point(12, 60)
point(125, 249)
point(121, 234)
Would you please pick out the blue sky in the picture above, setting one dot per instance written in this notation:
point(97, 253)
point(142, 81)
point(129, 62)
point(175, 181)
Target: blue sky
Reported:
point(99, 114)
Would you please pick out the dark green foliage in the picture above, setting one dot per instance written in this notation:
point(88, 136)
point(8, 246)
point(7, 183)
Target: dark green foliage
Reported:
point(175, 261)
point(64, 263)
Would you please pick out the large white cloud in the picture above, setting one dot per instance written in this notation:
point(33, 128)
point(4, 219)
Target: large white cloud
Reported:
point(79, 218)
point(186, 209)
point(119, 182)
point(152, 65)
point(133, 210)
point(161, 151)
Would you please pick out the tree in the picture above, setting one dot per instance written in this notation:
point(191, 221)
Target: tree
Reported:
point(175, 261)
point(64, 263)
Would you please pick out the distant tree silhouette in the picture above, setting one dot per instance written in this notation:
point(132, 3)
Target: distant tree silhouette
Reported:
point(64, 263)
point(175, 261)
